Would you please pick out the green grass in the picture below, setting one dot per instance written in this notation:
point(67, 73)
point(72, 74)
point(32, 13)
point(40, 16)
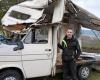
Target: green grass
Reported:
point(94, 75)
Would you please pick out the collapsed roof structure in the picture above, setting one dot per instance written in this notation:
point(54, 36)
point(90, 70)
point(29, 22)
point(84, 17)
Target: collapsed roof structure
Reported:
point(82, 16)
point(42, 11)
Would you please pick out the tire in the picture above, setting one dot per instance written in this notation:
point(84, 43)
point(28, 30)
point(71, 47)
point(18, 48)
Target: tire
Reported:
point(84, 72)
point(10, 75)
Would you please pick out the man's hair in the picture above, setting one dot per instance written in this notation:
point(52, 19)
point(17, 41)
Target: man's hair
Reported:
point(70, 29)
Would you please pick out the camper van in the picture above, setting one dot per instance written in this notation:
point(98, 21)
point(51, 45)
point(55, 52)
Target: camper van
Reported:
point(34, 55)
point(28, 49)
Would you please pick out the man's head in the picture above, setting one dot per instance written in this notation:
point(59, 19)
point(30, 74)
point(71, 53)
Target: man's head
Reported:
point(69, 33)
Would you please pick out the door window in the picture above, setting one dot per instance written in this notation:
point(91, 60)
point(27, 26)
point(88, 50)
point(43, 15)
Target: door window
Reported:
point(37, 36)
point(19, 15)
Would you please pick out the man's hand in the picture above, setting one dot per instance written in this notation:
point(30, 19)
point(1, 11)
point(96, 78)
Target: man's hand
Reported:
point(59, 45)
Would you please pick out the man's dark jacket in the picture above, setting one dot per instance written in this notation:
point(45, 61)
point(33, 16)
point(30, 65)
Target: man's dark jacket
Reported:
point(72, 51)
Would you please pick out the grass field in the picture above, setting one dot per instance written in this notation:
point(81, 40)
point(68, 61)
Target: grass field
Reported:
point(94, 76)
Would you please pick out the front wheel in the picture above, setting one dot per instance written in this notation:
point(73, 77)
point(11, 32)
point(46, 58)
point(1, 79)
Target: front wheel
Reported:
point(84, 72)
point(10, 75)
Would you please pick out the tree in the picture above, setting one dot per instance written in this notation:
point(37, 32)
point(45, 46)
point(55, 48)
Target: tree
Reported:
point(6, 4)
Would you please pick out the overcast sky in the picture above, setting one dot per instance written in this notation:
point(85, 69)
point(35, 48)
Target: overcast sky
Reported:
point(92, 6)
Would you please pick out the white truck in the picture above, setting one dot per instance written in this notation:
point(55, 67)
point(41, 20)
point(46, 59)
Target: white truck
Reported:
point(33, 56)
point(35, 53)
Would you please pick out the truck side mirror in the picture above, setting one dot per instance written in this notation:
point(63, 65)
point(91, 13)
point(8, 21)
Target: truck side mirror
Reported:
point(20, 46)
point(15, 48)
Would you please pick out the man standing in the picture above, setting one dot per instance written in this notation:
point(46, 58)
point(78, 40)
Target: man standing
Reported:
point(71, 52)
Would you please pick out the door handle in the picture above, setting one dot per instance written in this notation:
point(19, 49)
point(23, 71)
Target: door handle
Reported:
point(47, 49)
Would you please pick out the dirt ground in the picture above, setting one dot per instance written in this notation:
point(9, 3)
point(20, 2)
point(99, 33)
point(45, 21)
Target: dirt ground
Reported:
point(94, 76)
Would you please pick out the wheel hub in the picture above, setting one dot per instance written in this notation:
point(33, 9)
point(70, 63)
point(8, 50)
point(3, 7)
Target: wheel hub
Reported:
point(85, 72)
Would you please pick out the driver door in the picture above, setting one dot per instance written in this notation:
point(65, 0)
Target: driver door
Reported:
point(37, 52)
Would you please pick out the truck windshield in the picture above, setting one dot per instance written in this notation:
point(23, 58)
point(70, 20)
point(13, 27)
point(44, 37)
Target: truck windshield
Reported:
point(2, 39)
point(19, 15)
point(10, 38)
point(37, 36)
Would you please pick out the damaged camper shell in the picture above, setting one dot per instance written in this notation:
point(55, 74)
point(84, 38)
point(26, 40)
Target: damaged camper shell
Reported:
point(40, 27)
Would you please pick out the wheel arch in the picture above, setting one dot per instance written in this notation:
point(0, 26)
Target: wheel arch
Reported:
point(14, 68)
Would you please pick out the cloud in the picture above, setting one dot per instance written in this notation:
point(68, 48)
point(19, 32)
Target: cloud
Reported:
point(92, 6)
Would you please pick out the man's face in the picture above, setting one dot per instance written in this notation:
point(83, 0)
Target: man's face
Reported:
point(69, 33)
